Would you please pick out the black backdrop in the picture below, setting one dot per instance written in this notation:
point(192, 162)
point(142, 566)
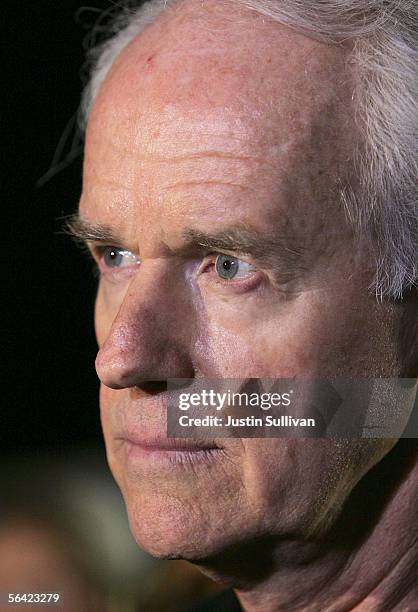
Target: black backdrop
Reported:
point(48, 386)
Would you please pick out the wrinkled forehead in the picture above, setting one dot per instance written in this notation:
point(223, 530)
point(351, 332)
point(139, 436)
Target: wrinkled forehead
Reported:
point(231, 78)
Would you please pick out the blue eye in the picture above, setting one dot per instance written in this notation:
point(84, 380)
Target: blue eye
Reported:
point(229, 267)
point(114, 257)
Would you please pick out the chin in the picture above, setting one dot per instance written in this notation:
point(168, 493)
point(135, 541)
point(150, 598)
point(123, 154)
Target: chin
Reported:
point(169, 529)
point(175, 526)
point(200, 512)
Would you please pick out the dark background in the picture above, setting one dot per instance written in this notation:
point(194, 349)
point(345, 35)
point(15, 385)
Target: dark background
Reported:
point(48, 386)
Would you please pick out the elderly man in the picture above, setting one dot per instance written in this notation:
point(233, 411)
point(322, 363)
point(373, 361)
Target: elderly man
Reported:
point(250, 200)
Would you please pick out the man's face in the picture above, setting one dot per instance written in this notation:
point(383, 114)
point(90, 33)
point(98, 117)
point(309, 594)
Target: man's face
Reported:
point(215, 153)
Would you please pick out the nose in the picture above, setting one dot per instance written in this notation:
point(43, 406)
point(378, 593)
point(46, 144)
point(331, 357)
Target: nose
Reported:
point(149, 339)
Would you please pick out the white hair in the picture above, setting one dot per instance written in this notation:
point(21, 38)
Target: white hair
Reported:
point(384, 41)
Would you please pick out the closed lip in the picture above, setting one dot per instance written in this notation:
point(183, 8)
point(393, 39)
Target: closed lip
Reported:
point(143, 427)
point(169, 453)
point(162, 443)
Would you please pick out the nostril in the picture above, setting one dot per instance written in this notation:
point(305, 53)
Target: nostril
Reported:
point(152, 387)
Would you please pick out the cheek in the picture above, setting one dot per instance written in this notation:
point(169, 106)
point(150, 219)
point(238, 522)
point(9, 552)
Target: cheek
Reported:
point(101, 324)
point(299, 486)
point(114, 405)
point(106, 308)
point(261, 338)
point(109, 407)
point(316, 333)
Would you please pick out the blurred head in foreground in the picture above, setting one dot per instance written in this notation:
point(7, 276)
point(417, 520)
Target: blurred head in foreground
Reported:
point(249, 197)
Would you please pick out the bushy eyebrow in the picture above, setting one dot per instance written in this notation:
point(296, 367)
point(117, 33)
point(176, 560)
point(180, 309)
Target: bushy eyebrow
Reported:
point(279, 252)
point(86, 231)
point(270, 249)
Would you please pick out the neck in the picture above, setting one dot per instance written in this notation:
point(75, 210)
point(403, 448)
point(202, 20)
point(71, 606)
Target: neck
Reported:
point(368, 560)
